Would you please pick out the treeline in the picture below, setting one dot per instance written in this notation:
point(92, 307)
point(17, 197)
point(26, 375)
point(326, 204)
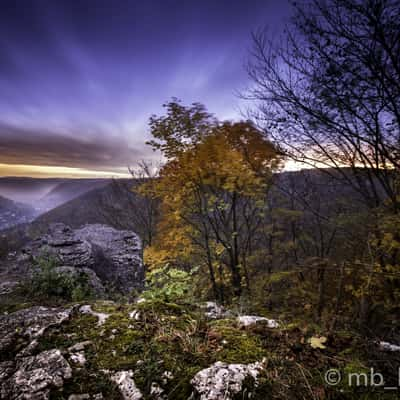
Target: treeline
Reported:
point(323, 243)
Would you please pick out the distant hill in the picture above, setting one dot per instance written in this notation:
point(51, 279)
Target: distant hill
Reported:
point(14, 213)
point(115, 203)
point(68, 190)
point(108, 203)
point(27, 190)
point(46, 193)
point(112, 204)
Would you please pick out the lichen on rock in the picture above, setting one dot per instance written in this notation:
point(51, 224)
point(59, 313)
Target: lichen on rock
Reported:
point(24, 326)
point(248, 320)
point(36, 376)
point(222, 381)
point(126, 385)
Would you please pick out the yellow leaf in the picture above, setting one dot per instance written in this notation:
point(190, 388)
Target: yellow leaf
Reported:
point(317, 342)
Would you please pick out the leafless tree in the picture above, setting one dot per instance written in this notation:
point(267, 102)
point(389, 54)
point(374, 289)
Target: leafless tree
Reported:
point(329, 91)
point(124, 207)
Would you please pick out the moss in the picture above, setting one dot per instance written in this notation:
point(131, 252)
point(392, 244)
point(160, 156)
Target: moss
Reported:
point(87, 381)
point(175, 338)
point(106, 306)
point(12, 305)
point(162, 307)
point(79, 328)
point(279, 276)
point(163, 340)
point(237, 345)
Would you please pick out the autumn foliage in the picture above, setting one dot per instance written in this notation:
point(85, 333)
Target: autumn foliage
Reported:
point(212, 192)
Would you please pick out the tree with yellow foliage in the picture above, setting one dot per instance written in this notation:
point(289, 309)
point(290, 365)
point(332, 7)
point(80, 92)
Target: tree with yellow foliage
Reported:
point(212, 193)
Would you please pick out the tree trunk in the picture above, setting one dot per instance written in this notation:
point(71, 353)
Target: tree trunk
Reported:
point(236, 278)
point(339, 297)
point(321, 291)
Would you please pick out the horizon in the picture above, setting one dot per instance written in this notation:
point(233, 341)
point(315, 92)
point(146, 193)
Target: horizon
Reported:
point(79, 83)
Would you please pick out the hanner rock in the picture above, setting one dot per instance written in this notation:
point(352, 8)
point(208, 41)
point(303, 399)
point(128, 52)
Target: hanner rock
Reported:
point(115, 256)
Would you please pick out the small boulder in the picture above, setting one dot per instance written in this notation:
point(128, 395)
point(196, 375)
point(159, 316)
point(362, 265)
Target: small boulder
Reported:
point(212, 310)
point(79, 346)
point(78, 358)
point(126, 385)
point(223, 381)
point(101, 317)
point(85, 396)
point(386, 346)
point(248, 320)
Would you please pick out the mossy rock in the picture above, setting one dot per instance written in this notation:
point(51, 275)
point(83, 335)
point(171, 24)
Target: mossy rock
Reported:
point(87, 381)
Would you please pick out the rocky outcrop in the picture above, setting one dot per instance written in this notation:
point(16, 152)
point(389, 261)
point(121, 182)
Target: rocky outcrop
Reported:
point(224, 381)
point(117, 256)
point(105, 255)
point(36, 376)
point(23, 375)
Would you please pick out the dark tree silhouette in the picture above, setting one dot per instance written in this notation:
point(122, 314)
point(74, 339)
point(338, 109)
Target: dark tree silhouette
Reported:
point(329, 91)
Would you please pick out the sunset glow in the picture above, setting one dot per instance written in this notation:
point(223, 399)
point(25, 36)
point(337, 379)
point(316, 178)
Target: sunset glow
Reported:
point(62, 172)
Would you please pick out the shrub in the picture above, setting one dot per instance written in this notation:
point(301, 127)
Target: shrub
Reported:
point(169, 284)
point(47, 281)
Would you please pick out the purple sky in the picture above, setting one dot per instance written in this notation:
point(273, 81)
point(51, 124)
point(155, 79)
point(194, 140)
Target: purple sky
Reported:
point(79, 79)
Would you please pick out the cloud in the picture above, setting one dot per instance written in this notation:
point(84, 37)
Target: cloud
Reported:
point(91, 75)
point(39, 147)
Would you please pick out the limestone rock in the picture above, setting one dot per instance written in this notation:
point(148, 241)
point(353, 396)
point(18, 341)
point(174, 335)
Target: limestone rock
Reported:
point(214, 310)
point(7, 286)
point(28, 325)
point(107, 256)
point(79, 346)
point(78, 358)
point(85, 396)
point(126, 385)
point(87, 309)
point(117, 255)
point(36, 376)
point(135, 314)
point(6, 370)
point(157, 392)
point(223, 381)
point(62, 243)
point(248, 320)
point(386, 346)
